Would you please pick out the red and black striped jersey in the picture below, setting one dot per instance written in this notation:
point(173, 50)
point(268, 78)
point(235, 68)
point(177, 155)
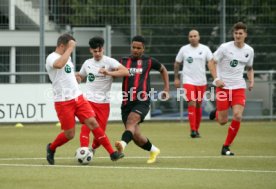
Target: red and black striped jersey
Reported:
point(137, 85)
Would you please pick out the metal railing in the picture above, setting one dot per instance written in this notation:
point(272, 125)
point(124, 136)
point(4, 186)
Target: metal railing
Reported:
point(261, 102)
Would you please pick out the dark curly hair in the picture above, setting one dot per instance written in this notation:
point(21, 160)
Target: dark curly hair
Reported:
point(96, 42)
point(139, 38)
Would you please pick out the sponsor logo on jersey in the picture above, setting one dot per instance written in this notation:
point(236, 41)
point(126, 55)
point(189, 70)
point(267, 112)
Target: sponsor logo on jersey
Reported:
point(139, 62)
point(134, 71)
point(91, 77)
point(190, 60)
point(246, 56)
point(234, 63)
point(67, 69)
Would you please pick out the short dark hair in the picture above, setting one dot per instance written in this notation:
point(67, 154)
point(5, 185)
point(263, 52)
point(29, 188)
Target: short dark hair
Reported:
point(239, 26)
point(96, 42)
point(139, 38)
point(64, 39)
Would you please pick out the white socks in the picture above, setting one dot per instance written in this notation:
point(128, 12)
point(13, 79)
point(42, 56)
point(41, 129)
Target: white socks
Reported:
point(124, 144)
point(154, 148)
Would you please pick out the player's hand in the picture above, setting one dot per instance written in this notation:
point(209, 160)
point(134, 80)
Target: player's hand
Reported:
point(220, 83)
point(165, 94)
point(103, 71)
point(78, 78)
point(72, 44)
point(251, 85)
point(177, 83)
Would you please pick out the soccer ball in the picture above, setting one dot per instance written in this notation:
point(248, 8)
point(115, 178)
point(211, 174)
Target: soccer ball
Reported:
point(84, 155)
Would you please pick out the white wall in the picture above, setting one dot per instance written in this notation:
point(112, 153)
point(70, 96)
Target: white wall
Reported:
point(33, 103)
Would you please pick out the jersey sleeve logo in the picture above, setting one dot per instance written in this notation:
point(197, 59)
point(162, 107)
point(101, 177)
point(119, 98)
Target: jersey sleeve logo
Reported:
point(234, 63)
point(91, 77)
point(190, 60)
point(67, 69)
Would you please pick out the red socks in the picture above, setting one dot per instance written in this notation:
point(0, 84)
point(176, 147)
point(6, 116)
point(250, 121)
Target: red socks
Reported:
point(102, 139)
point(60, 140)
point(95, 144)
point(232, 132)
point(198, 117)
point(99, 139)
point(192, 117)
point(84, 136)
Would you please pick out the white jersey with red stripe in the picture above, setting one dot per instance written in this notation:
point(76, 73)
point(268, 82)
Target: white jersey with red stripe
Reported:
point(98, 85)
point(65, 85)
point(231, 62)
point(194, 63)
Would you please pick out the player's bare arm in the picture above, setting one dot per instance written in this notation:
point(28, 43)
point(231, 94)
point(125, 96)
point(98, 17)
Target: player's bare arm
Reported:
point(165, 77)
point(212, 68)
point(59, 63)
point(176, 74)
point(250, 76)
point(79, 77)
point(121, 71)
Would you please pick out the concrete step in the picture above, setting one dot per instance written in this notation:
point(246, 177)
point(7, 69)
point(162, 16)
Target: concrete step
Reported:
point(27, 13)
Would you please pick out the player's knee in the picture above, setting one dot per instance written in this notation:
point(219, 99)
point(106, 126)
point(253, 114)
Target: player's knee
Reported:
point(237, 116)
point(192, 103)
point(69, 135)
point(131, 122)
point(128, 122)
point(222, 121)
point(91, 123)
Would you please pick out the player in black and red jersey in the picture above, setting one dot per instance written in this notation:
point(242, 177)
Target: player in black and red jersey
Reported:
point(136, 96)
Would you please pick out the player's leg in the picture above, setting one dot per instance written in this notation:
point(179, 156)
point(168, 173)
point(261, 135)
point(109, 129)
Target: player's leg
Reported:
point(191, 96)
point(222, 105)
point(84, 136)
point(144, 143)
point(85, 132)
point(132, 115)
point(198, 117)
point(238, 103)
point(200, 94)
point(233, 129)
point(131, 122)
point(86, 115)
point(102, 114)
point(65, 112)
point(60, 140)
point(222, 116)
point(192, 118)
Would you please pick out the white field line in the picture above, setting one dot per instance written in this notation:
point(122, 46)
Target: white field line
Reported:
point(144, 157)
point(141, 168)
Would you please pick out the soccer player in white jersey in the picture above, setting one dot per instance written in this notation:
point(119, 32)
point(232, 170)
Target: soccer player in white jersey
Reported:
point(98, 72)
point(227, 68)
point(69, 101)
point(194, 57)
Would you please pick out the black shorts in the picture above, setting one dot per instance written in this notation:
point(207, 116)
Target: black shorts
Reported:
point(141, 108)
